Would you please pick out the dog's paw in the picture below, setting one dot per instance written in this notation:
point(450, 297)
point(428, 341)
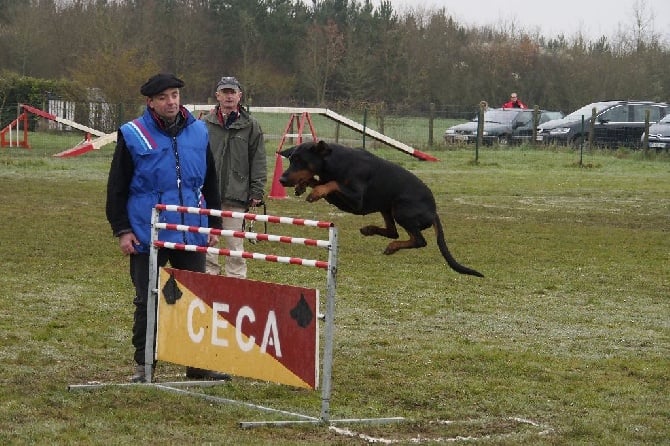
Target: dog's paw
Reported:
point(300, 189)
point(391, 249)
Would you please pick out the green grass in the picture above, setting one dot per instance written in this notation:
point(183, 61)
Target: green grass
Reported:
point(570, 328)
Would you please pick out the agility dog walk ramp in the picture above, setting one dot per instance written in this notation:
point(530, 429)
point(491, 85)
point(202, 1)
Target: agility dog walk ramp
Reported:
point(379, 136)
point(337, 118)
point(49, 116)
point(84, 146)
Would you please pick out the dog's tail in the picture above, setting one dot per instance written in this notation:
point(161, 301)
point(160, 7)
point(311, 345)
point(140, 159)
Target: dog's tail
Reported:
point(442, 244)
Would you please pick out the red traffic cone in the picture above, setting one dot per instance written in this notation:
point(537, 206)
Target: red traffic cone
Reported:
point(277, 190)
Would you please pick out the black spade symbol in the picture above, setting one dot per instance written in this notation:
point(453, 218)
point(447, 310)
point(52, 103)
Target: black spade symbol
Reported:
point(171, 291)
point(301, 313)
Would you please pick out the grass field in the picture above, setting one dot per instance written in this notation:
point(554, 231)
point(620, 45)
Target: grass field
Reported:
point(565, 341)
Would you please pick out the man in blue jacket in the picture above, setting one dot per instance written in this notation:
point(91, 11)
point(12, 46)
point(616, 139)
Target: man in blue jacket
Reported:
point(161, 157)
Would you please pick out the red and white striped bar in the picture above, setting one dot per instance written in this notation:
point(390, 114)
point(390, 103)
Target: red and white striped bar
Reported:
point(246, 235)
point(244, 254)
point(246, 216)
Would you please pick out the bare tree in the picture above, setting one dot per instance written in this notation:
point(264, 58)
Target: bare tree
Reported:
point(324, 49)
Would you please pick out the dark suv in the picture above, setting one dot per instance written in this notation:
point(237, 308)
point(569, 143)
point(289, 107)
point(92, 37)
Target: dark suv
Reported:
point(617, 123)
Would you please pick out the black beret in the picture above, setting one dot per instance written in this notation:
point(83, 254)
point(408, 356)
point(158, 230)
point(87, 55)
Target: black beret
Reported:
point(159, 83)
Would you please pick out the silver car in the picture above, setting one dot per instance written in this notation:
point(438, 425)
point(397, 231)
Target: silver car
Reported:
point(659, 134)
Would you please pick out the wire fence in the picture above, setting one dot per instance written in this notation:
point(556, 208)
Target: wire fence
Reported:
point(422, 129)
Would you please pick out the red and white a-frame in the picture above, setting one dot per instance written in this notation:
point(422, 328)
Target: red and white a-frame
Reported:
point(277, 190)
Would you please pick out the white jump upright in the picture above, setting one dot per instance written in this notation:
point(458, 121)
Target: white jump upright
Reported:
point(330, 266)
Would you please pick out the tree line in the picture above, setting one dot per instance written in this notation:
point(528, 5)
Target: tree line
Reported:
point(326, 53)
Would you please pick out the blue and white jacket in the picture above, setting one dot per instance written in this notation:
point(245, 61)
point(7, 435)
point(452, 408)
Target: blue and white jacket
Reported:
point(151, 166)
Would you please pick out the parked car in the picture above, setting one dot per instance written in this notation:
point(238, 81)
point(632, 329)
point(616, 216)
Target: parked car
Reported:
point(617, 123)
point(501, 125)
point(525, 133)
point(659, 134)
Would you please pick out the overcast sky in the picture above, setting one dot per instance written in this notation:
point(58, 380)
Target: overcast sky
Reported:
point(593, 18)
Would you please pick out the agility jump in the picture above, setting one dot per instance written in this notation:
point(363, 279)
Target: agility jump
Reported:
point(330, 266)
point(245, 235)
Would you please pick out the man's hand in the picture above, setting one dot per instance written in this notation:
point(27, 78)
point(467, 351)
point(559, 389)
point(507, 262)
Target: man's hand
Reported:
point(212, 240)
point(127, 243)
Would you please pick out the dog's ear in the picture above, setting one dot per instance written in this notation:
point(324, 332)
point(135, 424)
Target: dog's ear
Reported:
point(286, 153)
point(322, 149)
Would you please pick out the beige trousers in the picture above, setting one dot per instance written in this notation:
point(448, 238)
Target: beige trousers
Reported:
point(233, 266)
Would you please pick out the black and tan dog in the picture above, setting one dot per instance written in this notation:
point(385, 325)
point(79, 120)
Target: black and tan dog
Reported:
point(361, 183)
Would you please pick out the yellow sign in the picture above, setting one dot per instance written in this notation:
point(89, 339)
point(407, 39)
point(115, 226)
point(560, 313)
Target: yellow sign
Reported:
point(246, 328)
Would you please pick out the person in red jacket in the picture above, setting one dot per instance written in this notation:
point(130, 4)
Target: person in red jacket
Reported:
point(514, 102)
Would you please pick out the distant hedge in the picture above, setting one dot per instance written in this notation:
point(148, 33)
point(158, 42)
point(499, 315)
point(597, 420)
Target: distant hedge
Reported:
point(17, 89)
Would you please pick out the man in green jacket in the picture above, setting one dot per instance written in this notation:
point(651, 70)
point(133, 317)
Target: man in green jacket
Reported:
point(236, 140)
